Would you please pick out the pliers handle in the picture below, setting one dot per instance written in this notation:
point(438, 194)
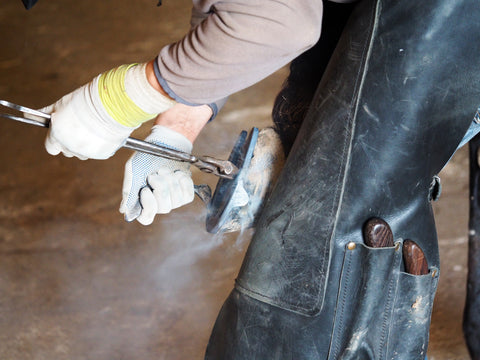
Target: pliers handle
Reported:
point(222, 168)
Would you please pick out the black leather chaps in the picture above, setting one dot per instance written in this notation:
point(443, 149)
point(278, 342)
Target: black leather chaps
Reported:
point(393, 104)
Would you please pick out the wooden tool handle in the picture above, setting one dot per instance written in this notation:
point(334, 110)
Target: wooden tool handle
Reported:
point(414, 258)
point(377, 233)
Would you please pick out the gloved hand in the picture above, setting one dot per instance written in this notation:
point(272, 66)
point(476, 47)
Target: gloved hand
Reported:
point(95, 120)
point(154, 185)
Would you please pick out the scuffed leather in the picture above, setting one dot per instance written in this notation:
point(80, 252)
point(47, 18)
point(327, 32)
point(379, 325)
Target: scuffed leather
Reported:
point(382, 312)
point(393, 105)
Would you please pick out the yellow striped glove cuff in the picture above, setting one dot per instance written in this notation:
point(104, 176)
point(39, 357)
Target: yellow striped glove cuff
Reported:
point(128, 97)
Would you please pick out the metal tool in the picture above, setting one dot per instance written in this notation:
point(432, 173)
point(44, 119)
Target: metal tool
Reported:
point(221, 168)
point(236, 175)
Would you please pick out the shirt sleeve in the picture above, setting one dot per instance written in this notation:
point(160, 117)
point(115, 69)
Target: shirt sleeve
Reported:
point(236, 44)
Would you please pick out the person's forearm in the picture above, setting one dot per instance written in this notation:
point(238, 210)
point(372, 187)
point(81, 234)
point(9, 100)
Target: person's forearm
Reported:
point(152, 79)
point(186, 120)
point(238, 44)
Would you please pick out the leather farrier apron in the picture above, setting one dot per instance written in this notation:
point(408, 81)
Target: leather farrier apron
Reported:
point(394, 102)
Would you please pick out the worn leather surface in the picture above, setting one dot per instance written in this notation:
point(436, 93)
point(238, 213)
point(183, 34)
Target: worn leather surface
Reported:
point(395, 101)
point(306, 71)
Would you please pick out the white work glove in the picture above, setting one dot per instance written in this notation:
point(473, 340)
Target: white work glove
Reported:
point(154, 185)
point(95, 120)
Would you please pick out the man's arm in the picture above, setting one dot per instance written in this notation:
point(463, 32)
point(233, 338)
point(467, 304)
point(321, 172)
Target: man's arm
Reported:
point(236, 45)
point(186, 120)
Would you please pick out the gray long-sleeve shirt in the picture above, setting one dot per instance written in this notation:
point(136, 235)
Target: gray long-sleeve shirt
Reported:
point(235, 43)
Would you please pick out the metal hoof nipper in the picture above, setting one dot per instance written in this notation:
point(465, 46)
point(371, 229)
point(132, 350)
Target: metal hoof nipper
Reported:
point(208, 164)
point(245, 178)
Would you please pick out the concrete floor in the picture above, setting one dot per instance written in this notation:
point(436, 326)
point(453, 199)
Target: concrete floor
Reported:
point(76, 281)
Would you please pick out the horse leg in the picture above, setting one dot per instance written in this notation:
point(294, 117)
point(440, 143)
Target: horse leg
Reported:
point(471, 319)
